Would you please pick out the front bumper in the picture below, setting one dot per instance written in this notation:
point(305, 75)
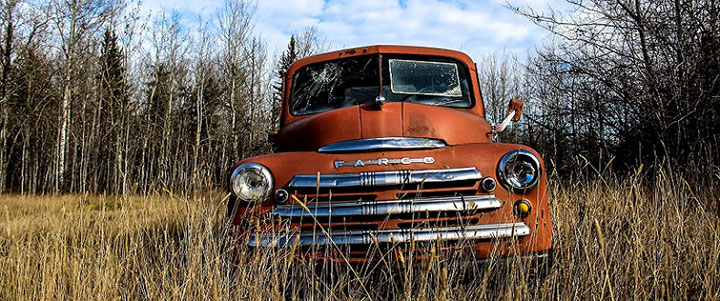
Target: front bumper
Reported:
point(395, 236)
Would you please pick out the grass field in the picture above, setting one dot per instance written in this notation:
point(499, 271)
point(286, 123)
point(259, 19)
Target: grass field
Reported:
point(635, 237)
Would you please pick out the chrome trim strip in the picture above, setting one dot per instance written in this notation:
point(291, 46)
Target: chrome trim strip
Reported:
point(489, 231)
point(385, 178)
point(381, 143)
point(451, 204)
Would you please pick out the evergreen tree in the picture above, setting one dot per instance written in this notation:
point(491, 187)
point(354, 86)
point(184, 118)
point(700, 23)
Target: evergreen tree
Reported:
point(113, 72)
point(113, 106)
point(288, 56)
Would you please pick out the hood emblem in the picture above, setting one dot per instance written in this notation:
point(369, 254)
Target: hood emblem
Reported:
point(383, 161)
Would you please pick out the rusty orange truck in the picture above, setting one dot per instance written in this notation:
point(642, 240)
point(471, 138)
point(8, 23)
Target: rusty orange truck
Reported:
point(387, 146)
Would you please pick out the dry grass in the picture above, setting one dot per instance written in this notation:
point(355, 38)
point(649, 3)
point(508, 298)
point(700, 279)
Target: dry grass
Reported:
point(614, 238)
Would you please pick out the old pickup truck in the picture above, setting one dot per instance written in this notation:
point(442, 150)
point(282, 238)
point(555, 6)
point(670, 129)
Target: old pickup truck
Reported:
point(389, 146)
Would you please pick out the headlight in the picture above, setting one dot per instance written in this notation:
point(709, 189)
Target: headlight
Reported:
point(251, 182)
point(519, 171)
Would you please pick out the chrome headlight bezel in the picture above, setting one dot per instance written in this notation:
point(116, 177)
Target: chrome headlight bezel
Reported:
point(258, 169)
point(510, 181)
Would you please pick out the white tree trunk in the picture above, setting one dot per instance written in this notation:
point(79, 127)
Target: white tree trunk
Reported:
point(64, 112)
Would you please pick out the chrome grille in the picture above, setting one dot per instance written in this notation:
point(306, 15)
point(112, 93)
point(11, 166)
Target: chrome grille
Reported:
point(391, 206)
point(385, 178)
point(447, 204)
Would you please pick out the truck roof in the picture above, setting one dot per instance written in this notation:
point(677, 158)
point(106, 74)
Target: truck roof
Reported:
point(396, 49)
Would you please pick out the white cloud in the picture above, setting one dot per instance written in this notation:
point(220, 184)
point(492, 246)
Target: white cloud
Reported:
point(473, 26)
point(189, 8)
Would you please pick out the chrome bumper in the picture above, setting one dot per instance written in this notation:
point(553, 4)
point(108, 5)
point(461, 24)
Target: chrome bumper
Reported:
point(367, 237)
point(446, 204)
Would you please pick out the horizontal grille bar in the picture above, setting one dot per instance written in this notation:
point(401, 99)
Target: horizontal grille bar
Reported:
point(381, 143)
point(491, 231)
point(385, 178)
point(364, 208)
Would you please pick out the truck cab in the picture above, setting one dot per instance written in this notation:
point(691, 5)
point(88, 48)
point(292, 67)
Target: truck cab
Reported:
point(387, 146)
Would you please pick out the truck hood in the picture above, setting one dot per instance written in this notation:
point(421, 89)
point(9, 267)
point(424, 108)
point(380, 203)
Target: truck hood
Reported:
point(399, 119)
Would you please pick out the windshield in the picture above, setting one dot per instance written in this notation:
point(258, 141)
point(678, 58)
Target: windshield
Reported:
point(405, 78)
point(424, 78)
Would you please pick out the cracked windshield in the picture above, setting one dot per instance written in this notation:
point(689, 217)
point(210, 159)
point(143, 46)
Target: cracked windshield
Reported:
point(351, 81)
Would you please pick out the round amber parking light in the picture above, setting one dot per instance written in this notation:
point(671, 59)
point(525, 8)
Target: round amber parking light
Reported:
point(522, 208)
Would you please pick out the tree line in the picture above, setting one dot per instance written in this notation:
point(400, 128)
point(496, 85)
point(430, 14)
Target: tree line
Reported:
point(618, 84)
point(96, 97)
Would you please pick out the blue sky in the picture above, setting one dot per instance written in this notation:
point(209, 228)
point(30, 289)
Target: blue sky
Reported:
point(475, 27)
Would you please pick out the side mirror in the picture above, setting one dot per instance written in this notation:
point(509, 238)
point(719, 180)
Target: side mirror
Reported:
point(516, 106)
point(514, 112)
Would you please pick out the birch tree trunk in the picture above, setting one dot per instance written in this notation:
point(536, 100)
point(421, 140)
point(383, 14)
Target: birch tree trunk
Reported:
point(64, 114)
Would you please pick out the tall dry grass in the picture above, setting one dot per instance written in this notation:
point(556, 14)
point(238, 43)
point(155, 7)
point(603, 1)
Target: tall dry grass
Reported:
point(638, 236)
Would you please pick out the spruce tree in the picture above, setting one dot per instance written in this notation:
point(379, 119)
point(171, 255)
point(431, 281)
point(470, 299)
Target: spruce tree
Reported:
point(113, 72)
point(288, 56)
point(113, 106)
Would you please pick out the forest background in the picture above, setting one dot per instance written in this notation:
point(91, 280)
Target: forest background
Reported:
point(96, 98)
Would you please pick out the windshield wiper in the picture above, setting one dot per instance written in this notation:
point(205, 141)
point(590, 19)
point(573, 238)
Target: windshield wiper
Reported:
point(446, 101)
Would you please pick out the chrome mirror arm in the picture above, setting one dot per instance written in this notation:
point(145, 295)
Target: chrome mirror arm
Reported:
point(500, 127)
